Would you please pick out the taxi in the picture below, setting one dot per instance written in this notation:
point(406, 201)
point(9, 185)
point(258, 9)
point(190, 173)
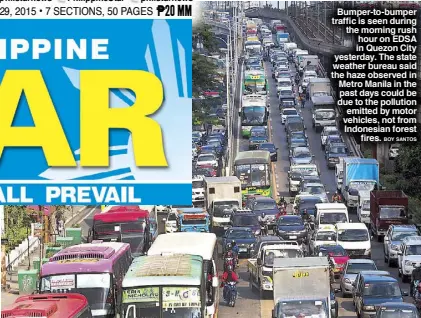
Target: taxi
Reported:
point(325, 235)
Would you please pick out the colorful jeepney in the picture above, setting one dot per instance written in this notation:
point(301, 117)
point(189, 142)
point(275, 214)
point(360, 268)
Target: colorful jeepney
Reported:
point(193, 220)
point(165, 286)
point(94, 270)
point(255, 82)
point(254, 112)
point(129, 224)
point(254, 169)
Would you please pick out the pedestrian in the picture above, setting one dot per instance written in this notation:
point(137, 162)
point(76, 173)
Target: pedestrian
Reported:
point(303, 102)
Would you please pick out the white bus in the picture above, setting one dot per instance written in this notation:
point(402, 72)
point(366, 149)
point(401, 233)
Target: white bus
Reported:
point(202, 244)
point(253, 112)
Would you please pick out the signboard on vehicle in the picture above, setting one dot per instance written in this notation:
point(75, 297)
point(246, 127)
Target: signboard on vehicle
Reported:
point(173, 297)
point(141, 295)
point(62, 282)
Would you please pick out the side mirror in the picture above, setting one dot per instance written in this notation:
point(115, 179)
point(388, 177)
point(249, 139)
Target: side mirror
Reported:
point(259, 262)
point(215, 281)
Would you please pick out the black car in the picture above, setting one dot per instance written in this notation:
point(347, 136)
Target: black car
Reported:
point(256, 141)
point(292, 228)
point(266, 205)
point(397, 310)
point(295, 127)
point(243, 237)
point(287, 102)
point(334, 151)
point(268, 146)
point(309, 205)
point(244, 218)
point(297, 135)
point(290, 120)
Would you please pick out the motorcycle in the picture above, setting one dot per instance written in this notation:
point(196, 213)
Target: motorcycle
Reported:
point(228, 261)
point(230, 293)
point(263, 228)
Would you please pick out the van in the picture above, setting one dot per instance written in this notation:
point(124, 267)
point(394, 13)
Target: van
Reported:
point(409, 256)
point(363, 208)
point(331, 213)
point(355, 239)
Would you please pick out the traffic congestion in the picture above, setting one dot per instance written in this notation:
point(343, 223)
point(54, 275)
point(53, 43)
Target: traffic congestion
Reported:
point(300, 227)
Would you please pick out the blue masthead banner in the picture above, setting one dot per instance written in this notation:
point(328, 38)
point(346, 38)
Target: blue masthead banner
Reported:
point(95, 112)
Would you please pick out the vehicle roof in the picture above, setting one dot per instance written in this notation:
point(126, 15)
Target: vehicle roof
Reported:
point(327, 228)
point(378, 278)
point(301, 148)
point(351, 226)
point(263, 199)
point(314, 184)
point(156, 270)
point(267, 143)
point(400, 305)
point(240, 229)
point(412, 240)
point(258, 156)
point(356, 160)
point(327, 128)
point(331, 206)
point(258, 128)
point(361, 261)
point(207, 154)
point(202, 244)
point(300, 262)
point(381, 273)
point(289, 108)
point(331, 246)
point(290, 217)
point(337, 144)
point(226, 179)
point(269, 238)
point(120, 216)
point(404, 227)
point(192, 210)
point(282, 246)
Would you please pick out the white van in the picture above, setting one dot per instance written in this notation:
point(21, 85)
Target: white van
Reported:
point(363, 208)
point(355, 239)
point(331, 213)
point(339, 174)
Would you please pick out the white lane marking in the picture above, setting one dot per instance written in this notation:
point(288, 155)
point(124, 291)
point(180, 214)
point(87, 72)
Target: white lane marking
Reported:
point(89, 213)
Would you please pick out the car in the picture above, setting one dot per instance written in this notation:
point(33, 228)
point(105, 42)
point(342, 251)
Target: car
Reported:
point(393, 240)
point(262, 241)
point(286, 74)
point(258, 131)
point(255, 141)
point(393, 151)
point(171, 222)
point(285, 91)
point(262, 204)
point(288, 112)
point(269, 146)
point(316, 189)
point(296, 134)
point(208, 150)
point(337, 252)
point(291, 127)
point(333, 152)
point(366, 273)
point(409, 256)
point(292, 228)
point(297, 142)
point(283, 65)
point(206, 160)
point(205, 171)
point(287, 102)
point(301, 155)
point(397, 310)
point(333, 139)
point(217, 145)
point(284, 82)
point(308, 204)
point(243, 237)
point(351, 270)
point(245, 218)
point(328, 130)
point(325, 234)
point(310, 179)
point(374, 290)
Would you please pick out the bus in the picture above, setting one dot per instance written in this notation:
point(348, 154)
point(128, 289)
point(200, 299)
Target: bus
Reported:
point(193, 220)
point(127, 224)
point(255, 82)
point(165, 286)
point(202, 244)
point(49, 306)
point(94, 270)
point(253, 112)
point(253, 168)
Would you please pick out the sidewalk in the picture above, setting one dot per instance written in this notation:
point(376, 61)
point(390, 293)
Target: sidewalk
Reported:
point(8, 297)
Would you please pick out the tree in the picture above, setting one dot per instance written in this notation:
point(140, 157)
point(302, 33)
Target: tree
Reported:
point(204, 33)
point(204, 72)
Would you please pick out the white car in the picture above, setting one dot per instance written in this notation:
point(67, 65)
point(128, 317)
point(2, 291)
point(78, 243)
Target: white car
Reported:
point(207, 160)
point(288, 112)
point(316, 189)
point(327, 131)
point(171, 222)
point(283, 82)
point(198, 191)
point(193, 151)
point(393, 151)
point(409, 256)
point(325, 235)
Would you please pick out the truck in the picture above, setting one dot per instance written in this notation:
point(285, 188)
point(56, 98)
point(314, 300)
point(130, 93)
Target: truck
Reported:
point(222, 195)
point(260, 268)
point(301, 287)
point(309, 60)
point(386, 208)
point(360, 174)
point(193, 220)
point(282, 37)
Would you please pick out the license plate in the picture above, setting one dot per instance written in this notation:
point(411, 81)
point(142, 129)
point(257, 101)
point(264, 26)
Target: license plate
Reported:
point(243, 250)
point(292, 237)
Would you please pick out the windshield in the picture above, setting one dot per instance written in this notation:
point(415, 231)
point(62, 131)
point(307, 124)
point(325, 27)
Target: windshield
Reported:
point(193, 221)
point(112, 230)
point(288, 112)
point(240, 235)
point(290, 221)
point(355, 268)
point(268, 147)
point(303, 308)
point(362, 185)
point(333, 251)
point(268, 205)
point(314, 189)
point(172, 217)
point(382, 290)
point(392, 213)
point(271, 254)
point(353, 235)
point(338, 150)
point(325, 115)
point(220, 207)
point(302, 153)
point(198, 184)
point(245, 220)
point(95, 287)
point(254, 115)
point(305, 171)
point(398, 313)
point(333, 218)
point(413, 250)
point(206, 158)
point(184, 302)
point(326, 236)
point(285, 92)
point(255, 175)
point(287, 102)
point(258, 133)
point(332, 132)
point(399, 236)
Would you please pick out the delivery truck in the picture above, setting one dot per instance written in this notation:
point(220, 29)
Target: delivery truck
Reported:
point(386, 208)
point(222, 195)
point(359, 174)
point(301, 287)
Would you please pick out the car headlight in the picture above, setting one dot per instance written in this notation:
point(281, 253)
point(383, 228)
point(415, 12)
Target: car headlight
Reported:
point(367, 251)
point(347, 281)
point(368, 308)
point(257, 232)
point(394, 247)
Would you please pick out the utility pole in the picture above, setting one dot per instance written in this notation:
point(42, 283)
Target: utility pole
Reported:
point(3, 251)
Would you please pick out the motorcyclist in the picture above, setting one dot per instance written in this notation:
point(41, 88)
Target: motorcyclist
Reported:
point(228, 276)
point(235, 250)
point(306, 216)
point(262, 221)
point(228, 248)
point(415, 279)
point(336, 197)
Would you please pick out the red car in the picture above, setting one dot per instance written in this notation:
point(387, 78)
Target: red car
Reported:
point(339, 255)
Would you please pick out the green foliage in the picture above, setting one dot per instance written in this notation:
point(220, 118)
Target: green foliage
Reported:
point(204, 31)
point(17, 224)
point(203, 72)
